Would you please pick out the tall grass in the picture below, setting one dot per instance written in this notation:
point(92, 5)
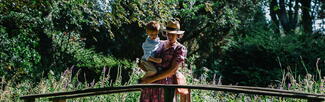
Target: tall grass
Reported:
point(11, 92)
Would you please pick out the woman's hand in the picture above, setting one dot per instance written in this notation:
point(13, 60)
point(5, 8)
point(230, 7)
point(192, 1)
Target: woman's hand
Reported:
point(140, 65)
point(165, 74)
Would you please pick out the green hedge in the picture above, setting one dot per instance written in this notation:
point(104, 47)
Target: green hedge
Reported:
point(261, 57)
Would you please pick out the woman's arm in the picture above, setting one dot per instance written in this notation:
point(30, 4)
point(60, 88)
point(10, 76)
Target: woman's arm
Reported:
point(180, 55)
point(171, 71)
point(140, 65)
point(156, 60)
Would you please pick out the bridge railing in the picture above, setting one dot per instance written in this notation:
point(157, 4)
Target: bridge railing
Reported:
point(63, 96)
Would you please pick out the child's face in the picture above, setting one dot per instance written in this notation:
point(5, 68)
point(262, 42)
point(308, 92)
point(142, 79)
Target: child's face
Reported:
point(152, 34)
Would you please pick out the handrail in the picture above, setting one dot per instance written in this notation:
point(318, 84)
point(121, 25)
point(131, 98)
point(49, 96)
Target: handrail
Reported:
point(270, 89)
point(226, 88)
point(93, 93)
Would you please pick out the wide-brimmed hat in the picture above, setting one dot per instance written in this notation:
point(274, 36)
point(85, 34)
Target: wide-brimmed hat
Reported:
point(173, 27)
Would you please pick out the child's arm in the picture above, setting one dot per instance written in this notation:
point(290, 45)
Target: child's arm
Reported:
point(156, 60)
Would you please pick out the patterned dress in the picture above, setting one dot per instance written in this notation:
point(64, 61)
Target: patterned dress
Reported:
point(177, 52)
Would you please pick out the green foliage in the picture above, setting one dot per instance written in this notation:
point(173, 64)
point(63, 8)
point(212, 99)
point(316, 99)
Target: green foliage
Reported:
point(40, 36)
point(229, 38)
point(209, 25)
point(76, 32)
point(261, 56)
point(18, 46)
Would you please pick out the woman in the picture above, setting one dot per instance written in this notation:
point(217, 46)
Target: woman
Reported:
point(173, 55)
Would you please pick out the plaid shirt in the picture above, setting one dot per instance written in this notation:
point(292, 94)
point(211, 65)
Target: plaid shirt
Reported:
point(177, 52)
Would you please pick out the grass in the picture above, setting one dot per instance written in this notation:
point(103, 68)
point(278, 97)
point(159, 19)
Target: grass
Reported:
point(12, 92)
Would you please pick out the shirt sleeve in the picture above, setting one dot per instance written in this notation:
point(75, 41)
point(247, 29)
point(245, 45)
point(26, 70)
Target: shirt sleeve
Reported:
point(146, 51)
point(181, 53)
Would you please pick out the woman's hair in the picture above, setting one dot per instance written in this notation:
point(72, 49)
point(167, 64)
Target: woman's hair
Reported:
point(153, 26)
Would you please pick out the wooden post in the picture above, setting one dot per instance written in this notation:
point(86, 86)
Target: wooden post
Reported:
point(29, 100)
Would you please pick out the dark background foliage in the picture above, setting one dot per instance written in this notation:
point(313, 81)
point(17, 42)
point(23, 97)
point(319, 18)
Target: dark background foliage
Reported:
point(246, 42)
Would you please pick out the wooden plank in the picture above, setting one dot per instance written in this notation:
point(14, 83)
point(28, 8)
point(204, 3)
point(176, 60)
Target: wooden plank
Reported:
point(94, 93)
point(71, 92)
point(228, 89)
point(247, 90)
point(29, 100)
point(240, 90)
point(272, 90)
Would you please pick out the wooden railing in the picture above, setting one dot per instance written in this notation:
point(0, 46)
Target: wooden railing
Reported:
point(62, 96)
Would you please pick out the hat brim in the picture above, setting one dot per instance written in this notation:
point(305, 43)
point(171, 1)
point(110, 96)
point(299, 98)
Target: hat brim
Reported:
point(174, 32)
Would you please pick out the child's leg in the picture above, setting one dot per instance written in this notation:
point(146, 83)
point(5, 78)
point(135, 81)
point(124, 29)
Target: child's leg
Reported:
point(151, 69)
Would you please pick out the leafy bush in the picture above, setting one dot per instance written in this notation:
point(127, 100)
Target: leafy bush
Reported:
point(260, 57)
point(18, 46)
point(40, 36)
point(58, 34)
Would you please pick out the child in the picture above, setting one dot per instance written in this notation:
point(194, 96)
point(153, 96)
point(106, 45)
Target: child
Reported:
point(149, 47)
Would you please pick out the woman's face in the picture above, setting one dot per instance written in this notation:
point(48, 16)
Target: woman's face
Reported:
point(172, 37)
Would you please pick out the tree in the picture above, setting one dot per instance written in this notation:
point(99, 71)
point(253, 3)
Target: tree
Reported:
point(306, 17)
point(285, 13)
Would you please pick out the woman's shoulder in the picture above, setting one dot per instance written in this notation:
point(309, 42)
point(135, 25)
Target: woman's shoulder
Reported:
point(181, 46)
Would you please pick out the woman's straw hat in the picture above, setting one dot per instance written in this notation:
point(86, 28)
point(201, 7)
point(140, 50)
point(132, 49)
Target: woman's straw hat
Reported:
point(173, 27)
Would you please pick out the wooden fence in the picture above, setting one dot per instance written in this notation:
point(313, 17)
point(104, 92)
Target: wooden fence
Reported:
point(63, 96)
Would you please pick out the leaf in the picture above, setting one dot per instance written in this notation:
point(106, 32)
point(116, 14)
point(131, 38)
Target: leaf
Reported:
point(208, 7)
point(276, 8)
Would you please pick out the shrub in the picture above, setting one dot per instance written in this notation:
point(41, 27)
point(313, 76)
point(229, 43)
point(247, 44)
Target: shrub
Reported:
point(40, 36)
point(260, 57)
point(18, 46)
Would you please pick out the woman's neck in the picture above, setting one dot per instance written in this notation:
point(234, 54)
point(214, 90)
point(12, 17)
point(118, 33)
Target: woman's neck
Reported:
point(170, 44)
